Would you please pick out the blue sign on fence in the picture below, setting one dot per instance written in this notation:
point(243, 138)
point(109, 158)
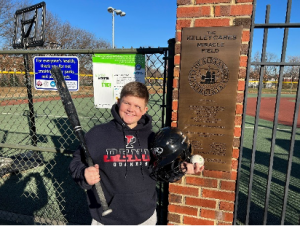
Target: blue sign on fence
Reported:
point(43, 79)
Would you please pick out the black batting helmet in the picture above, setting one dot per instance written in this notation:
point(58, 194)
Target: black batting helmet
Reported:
point(169, 149)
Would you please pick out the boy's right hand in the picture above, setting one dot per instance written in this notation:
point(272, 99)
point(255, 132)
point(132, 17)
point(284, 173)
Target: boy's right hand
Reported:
point(92, 175)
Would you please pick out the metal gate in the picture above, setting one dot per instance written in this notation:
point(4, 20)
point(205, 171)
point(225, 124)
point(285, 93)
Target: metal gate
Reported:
point(268, 184)
point(36, 134)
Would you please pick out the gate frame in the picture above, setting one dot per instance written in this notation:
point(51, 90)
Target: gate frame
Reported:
point(282, 63)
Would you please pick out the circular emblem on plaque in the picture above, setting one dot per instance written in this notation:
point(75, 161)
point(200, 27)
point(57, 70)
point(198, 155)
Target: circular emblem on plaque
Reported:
point(208, 76)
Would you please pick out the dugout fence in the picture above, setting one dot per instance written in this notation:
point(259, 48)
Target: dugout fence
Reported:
point(37, 141)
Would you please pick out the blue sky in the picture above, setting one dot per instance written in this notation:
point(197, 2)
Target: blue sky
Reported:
point(152, 23)
point(275, 36)
point(147, 23)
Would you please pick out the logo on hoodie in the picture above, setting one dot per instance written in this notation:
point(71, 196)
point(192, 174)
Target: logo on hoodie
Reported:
point(130, 141)
point(129, 155)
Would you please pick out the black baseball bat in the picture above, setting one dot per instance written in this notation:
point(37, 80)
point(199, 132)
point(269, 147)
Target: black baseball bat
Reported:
point(73, 118)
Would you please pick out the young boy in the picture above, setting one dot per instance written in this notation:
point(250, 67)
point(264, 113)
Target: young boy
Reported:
point(119, 150)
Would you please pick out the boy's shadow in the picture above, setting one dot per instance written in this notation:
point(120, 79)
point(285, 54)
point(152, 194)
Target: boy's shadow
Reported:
point(71, 198)
point(20, 199)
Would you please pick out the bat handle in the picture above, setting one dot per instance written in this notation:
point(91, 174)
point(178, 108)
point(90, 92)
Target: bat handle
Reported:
point(103, 202)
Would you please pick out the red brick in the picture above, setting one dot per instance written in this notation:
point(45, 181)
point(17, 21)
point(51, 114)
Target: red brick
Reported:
point(177, 59)
point(239, 109)
point(177, 189)
point(228, 185)
point(183, 210)
point(243, 1)
point(175, 94)
point(233, 10)
point(233, 175)
point(234, 164)
point(200, 202)
point(242, 73)
point(177, 48)
point(176, 72)
point(212, 1)
point(175, 83)
point(175, 198)
point(217, 174)
point(211, 214)
point(204, 182)
point(222, 195)
point(237, 131)
point(223, 10)
point(178, 36)
point(196, 221)
point(183, 23)
point(246, 36)
point(240, 97)
point(236, 142)
point(243, 61)
point(227, 206)
point(212, 22)
point(175, 105)
point(174, 124)
point(190, 12)
point(238, 120)
point(235, 153)
point(241, 85)
point(184, 2)
point(218, 215)
point(241, 10)
point(223, 223)
point(174, 116)
point(174, 217)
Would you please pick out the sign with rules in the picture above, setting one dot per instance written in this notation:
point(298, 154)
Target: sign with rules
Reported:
point(43, 79)
point(111, 72)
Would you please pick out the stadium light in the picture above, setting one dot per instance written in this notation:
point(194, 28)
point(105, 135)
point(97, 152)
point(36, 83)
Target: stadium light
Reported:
point(118, 12)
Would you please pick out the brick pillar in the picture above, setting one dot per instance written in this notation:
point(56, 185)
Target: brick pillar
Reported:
point(208, 198)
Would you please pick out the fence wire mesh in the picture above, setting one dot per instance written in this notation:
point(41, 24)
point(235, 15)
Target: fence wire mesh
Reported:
point(36, 147)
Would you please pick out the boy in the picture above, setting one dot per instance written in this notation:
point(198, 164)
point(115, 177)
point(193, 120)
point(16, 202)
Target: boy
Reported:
point(119, 150)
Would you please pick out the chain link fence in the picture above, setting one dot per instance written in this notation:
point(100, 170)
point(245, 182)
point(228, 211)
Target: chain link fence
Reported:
point(36, 147)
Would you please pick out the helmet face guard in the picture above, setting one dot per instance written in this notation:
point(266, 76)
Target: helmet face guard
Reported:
point(170, 148)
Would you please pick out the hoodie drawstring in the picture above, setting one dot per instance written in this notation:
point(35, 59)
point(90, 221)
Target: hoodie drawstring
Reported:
point(140, 148)
point(125, 143)
point(137, 137)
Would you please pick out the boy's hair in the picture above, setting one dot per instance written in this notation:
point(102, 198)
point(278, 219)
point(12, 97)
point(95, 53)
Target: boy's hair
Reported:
point(135, 89)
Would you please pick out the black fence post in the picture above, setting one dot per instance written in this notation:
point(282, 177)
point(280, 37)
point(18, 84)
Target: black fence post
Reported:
point(171, 54)
point(32, 127)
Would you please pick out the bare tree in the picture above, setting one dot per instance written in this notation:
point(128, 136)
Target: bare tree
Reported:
point(57, 33)
point(293, 71)
point(7, 12)
point(269, 71)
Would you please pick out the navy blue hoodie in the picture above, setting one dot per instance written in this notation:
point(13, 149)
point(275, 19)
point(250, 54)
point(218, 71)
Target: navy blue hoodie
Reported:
point(129, 190)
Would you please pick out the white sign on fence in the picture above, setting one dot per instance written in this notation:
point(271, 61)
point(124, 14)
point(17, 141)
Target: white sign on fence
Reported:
point(111, 72)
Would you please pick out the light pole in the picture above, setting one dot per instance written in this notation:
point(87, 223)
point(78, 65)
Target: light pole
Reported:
point(118, 12)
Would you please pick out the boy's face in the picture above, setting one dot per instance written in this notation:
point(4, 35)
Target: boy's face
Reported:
point(131, 109)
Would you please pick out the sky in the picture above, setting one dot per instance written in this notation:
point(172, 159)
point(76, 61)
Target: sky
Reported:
point(147, 23)
point(152, 23)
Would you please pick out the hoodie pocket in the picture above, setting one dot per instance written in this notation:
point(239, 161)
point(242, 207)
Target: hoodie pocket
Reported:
point(133, 208)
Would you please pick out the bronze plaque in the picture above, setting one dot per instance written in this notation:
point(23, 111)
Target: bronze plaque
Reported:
point(207, 91)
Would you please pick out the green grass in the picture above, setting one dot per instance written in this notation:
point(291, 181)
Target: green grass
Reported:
point(261, 166)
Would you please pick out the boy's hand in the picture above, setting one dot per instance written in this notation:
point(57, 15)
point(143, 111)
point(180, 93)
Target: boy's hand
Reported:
point(193, 168)
point(92, 175)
